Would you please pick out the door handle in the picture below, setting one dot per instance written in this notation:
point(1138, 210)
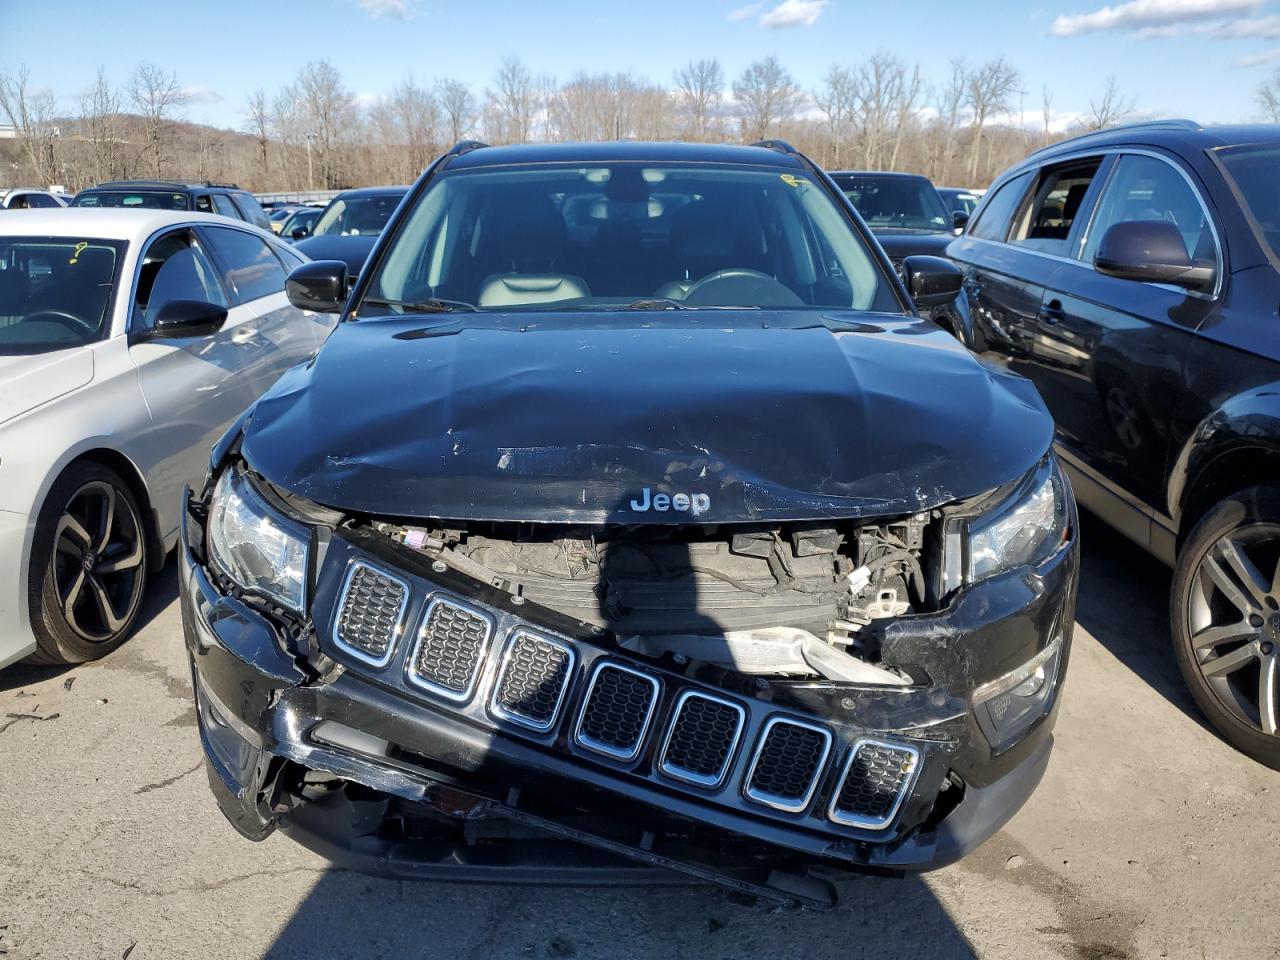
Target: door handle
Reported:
point(1052, 313)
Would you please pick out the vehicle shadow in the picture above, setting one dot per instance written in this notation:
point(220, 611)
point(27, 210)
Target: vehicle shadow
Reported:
point(1124, 604)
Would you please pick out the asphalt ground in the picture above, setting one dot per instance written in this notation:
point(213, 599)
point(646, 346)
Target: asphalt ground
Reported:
point(1149, 837)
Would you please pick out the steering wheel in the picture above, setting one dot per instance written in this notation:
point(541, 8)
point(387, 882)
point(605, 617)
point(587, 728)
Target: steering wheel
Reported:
point(741, 286)
point(68, 320)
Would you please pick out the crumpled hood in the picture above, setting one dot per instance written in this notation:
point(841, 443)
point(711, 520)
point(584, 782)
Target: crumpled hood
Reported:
point(28, 381)
point(734, 416)
point(909, 243)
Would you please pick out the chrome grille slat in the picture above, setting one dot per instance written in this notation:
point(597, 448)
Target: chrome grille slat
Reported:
point(450, 649)
point(533, 678)
point(788, 763)
point(701, 739)
point(370, 617)
point(616, 711)
point(876, 780)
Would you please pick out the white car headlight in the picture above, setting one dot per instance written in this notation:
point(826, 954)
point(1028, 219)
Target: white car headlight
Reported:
point(1025, 529)
point(259, 549)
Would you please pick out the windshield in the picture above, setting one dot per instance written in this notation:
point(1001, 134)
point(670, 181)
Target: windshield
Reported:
point(151, 199)
point(55, 292)
point(693, 236)
point(902, 203)
point(357, 216)
point(1253, 170)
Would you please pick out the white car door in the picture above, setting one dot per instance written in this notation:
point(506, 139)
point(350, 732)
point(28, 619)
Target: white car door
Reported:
point(194, 387)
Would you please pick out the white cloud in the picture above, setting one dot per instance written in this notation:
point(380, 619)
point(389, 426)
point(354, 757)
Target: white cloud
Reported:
point(1257, 59)
point(388, 9)
point(198, 93)
point(1146, 14)
point(744, 13)
point(793, 13)
point(1266, 27)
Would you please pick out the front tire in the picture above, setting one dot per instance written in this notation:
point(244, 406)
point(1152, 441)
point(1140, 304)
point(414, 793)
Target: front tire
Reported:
point(88, 566)
point(1225, 613)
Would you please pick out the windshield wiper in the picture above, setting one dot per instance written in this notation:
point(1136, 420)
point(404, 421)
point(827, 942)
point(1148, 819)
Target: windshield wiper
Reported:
point(657, 303)
point(430, 305)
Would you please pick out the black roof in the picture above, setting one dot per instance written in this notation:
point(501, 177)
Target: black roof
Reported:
point(887, 174)
point(373, 192)
point(161, 185)
point(1171, 134)
point(623, 150)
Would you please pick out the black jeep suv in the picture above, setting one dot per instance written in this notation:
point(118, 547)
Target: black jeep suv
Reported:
point(631, 516)
point(1134, 276)
point(224, 198)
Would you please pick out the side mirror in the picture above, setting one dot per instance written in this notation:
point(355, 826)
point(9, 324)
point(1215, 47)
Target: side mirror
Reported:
point(1152, 251)
point(319, 286)
point(299, 232)
point(959, 219)
point(187, 318)
point(931, 281)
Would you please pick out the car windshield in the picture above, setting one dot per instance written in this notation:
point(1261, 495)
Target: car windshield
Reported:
point(357, 216)
point(901, 203)
point(55, 292)
point(628, 235)
point(151, 199)
point(1253, 171)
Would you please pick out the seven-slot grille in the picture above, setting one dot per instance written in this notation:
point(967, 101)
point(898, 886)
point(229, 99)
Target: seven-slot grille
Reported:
point(532, 680)
point(788, 762)
point(700, 742)
point(450, 649)
point(876, 778)
point(370, 613)
point(616, 711)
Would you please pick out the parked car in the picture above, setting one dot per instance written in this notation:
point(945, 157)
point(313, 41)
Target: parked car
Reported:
point(349, 225)
point(1132, 275)
point(279, 213)
point(678, 535)
point(222, 198)
point(960, 202)
point(129, 340)
point(903, 210)
point(31, 198)
point(298, 224)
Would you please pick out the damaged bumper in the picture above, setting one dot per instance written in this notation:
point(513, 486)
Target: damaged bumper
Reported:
point(374, 767)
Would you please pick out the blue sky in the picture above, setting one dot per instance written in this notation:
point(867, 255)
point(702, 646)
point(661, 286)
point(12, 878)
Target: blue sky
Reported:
point(1196, 58)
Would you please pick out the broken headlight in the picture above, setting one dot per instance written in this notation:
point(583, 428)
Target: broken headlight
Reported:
point(1024, 529)
point(254, 545)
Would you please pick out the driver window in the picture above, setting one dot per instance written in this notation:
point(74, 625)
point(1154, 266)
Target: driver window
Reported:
point(204, 204)
point(174, 268)
point(1046, 225)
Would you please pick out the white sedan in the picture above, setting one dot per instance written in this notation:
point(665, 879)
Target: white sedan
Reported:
point(129, 341)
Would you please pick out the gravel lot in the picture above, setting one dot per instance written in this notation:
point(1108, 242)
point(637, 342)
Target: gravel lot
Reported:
point(1148, 838)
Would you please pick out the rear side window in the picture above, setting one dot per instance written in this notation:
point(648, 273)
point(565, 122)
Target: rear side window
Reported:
point(997, 216)
point(226, 207)
point(1058, 200)
point(174, 268)
point(251, 210)
point(249, 268)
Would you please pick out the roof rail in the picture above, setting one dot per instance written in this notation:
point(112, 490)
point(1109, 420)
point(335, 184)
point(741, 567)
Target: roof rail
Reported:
point(781, 146)
point(1169, 124)
point(168, 183)
point(464, 146)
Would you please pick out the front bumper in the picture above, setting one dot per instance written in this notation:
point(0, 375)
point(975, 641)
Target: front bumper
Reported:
point(406, 754)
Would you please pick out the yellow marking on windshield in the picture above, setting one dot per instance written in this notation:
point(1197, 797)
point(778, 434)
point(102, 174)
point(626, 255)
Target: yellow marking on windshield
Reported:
point(80, 248)
point(790, 179)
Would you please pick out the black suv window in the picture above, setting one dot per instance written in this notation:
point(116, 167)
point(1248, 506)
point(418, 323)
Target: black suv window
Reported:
point(226, 207)
point(251, 210)
point(174, 268)
point(1047, 225)
point(997, 215)
point(250, 268)
point(1144, 188)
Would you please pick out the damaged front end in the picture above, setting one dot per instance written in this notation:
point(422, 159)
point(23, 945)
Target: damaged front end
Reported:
point(762, 705)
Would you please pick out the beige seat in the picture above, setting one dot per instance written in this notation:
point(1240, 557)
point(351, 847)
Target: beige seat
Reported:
point(529, 238)
point(517, 289)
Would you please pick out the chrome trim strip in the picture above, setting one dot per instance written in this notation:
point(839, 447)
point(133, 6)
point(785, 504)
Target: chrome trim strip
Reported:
point(608, 749)
point(352, 569)
point(417, 680)
point(786, 804)
point(851, 820)
point(688, 776)
point(501, 712)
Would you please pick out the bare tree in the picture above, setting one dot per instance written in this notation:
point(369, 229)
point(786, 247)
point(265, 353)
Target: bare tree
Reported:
point(766, 96)
point(459, 106)
point(31, 113)
point(1113, 108)
point(417, 119)
point(837, 99)
point(950, 101)
point(100, 127)
point(328, 109)
point(1046, 110)
point(699, 97)
point(259, 122)
point(990, 89)
point(158, 98)
point(512, 103)
point(909, 88)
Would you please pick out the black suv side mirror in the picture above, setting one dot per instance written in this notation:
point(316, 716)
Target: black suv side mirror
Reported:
point(1152, 251)
point(299, 232)
point(931, 281)
point(959, 219)
point(319, 286)
point(187, 318)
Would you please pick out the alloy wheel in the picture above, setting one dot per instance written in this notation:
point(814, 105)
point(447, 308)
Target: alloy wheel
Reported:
point(97, 561)
point(1234, 620)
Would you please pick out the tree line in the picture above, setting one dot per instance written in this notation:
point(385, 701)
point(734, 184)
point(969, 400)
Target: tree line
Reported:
point(315, 133)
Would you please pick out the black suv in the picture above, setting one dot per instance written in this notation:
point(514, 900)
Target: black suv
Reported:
point(631, 504)
point(224, 198)
point(1133, 276)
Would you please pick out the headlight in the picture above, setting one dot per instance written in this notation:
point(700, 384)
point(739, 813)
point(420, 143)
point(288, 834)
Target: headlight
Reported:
point(1008, 706)
point(260, 550)
point(1025, 529)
